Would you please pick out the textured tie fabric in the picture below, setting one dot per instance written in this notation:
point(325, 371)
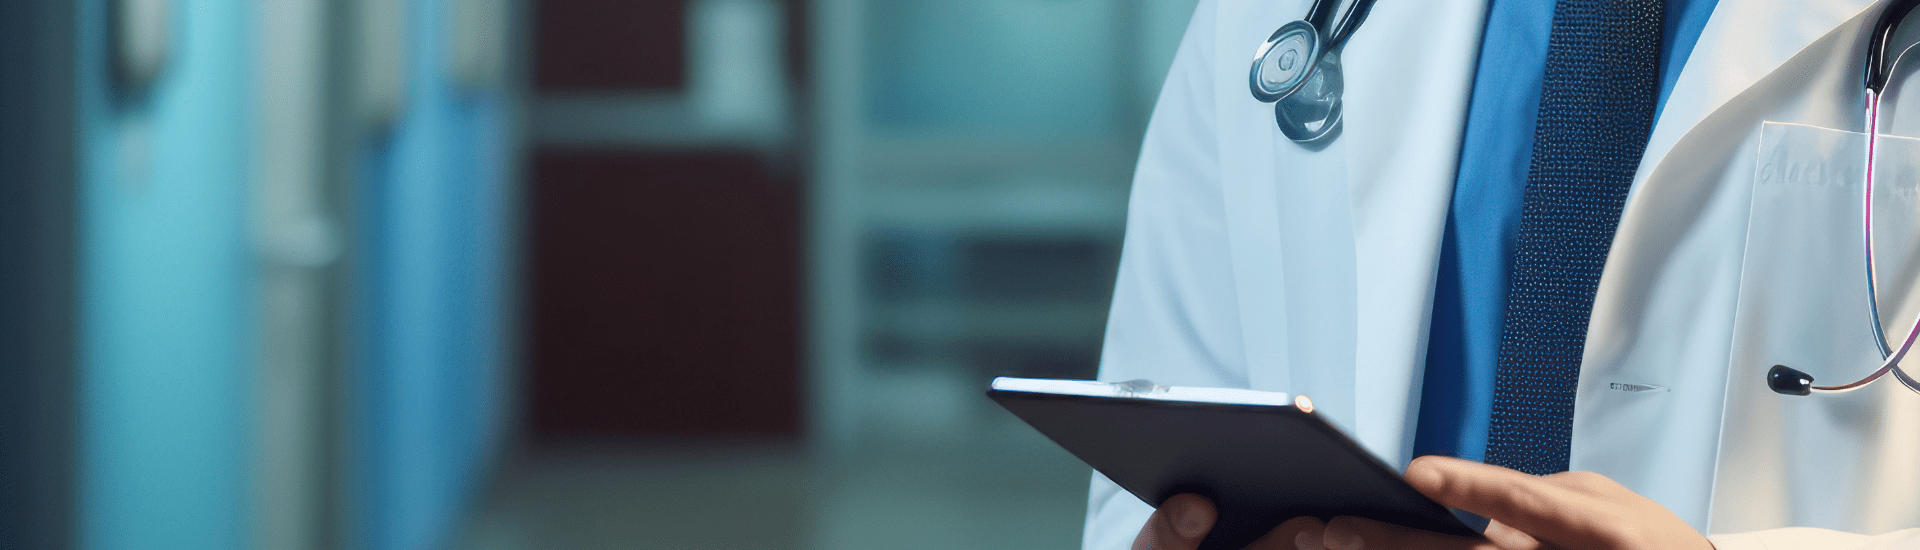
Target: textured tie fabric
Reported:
point(1596, 109)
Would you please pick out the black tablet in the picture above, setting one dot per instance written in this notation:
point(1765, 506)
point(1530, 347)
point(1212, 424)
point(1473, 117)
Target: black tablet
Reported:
point(1260, 456)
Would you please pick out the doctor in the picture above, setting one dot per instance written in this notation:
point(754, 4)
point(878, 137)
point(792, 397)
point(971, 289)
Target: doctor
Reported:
point(1371, 267)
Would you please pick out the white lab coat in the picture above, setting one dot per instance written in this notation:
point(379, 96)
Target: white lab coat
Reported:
point(1253, 262)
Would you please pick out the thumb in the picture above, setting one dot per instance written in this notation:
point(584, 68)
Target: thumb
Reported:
point(1178, 524)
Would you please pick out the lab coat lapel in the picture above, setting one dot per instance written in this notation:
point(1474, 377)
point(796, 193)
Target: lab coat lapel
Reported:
point(1246, 133)
point(1334, 251)
point(1293, 233)
point(1400, 207)
point(1664, 312)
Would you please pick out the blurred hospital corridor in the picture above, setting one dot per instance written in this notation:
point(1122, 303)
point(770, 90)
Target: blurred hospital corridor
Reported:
point(556, 274)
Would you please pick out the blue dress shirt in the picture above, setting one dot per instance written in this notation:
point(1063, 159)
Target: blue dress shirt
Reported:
point(1476, 250)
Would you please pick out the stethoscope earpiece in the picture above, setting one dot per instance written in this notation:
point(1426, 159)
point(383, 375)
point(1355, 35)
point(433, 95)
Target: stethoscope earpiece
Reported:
point(1787, 380)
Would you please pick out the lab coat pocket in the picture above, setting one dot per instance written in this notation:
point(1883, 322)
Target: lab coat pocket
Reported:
point(1824, 460)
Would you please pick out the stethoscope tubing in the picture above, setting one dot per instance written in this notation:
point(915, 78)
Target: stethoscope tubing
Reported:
point(1878, 68)
point(1349, 23)
point(1890, 356)
point(1873, 280)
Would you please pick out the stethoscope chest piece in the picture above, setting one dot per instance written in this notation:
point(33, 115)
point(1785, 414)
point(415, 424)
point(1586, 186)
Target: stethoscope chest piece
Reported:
point(1297, 69)
point(1294, 71)
point(1283, 63)
point(1313, 111)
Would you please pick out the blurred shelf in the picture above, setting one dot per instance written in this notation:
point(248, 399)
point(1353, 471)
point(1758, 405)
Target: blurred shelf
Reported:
point(646, 120)
point(1023, 205)
point(1016, 339)
point(893, 158)
point(947, 320)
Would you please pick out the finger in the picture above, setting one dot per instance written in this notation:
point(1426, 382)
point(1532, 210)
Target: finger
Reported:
point(1508, 538)
point(1525, 502)
point(1285, 535)
point(1178, 524)
point(1586, 483)
point(1355, 533)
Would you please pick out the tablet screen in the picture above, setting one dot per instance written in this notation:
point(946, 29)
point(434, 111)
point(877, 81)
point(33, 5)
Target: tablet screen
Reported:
point(1261, 463)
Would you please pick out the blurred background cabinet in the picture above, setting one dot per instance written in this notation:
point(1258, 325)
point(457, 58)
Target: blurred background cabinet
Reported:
point(972, 163)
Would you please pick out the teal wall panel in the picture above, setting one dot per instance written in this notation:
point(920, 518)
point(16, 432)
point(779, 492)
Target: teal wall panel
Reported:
point(165, 289)
point(433, 219)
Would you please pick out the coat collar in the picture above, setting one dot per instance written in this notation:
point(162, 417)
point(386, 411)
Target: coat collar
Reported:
point(1742, 43)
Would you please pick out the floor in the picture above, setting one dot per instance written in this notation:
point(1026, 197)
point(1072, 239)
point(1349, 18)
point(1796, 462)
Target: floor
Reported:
point(999, 486)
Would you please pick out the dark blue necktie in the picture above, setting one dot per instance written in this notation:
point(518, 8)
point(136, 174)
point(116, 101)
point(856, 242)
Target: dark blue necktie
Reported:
point(1596, 108)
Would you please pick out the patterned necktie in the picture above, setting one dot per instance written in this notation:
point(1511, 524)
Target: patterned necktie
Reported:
point(1596, 108)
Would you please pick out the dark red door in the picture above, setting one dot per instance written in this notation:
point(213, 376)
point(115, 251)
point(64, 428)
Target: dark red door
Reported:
point(664, 281)
point(665, 295)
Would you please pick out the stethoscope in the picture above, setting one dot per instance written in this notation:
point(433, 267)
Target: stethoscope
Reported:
point(1298, 71)
point(1789, 381)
